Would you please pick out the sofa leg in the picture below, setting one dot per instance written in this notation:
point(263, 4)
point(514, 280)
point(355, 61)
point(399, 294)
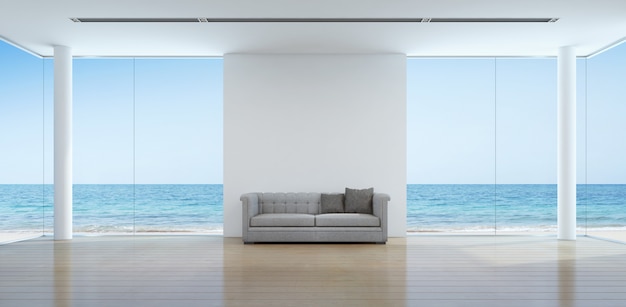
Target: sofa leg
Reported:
point(246, 243)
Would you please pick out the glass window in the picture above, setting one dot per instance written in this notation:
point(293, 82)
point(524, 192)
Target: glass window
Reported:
point(451, 160)
point(22, 190)
point(103, 145)
point(605, 210)
point(481, 145)
point(526, 145)
point(147, 145)
point(178, 143)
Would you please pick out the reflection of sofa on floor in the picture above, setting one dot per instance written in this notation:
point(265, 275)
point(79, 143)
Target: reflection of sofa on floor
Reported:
point(356, 216)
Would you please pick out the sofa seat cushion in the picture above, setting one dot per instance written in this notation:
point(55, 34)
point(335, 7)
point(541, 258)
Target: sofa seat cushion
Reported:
point(283, 220)
point(346, 220)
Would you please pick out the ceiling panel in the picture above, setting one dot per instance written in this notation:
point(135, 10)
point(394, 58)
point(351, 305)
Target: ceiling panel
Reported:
point(38, 25)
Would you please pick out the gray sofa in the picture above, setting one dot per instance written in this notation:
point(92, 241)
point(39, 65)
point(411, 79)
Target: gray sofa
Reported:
point(299, 217)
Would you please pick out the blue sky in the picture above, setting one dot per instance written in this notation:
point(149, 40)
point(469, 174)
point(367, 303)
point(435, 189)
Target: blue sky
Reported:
point(147, 120)
point(491, 120)
point(21, 116)
point(481, 120)
point(475, 120)
point(176, 117)
point(606, 117)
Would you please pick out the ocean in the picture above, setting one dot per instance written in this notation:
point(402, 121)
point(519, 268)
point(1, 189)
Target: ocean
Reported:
point(116, 208)
point(510, 207)
point(198, 208)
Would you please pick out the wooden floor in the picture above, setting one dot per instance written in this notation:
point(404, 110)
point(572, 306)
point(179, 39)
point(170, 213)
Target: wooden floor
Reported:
point(437, 271)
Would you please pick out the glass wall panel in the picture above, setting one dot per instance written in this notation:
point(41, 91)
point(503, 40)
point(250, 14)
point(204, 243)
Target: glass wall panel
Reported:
point(526, 145)
point(103, 145)
point(451, 145)
point(22, 187)
point(581, 146)
point(49, 146)
point(606, 144)
point(178, 143)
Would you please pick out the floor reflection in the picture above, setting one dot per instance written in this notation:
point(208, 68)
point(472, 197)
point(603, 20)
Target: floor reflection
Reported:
point(277, 273)
point(567, 272)
point(63, 273)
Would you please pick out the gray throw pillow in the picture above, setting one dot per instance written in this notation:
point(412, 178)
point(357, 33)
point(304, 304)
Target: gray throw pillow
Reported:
point(331, 203)
point(359, 201)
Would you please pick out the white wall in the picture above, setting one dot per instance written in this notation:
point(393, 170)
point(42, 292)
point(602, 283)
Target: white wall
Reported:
point(314, 123)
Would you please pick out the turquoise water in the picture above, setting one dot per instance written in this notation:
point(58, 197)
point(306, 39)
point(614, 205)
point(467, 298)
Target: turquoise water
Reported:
point(510, 207)
point(117, 208)
point(198, 208)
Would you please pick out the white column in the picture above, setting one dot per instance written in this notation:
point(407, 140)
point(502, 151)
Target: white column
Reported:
point(62, 143)
point(566, 139)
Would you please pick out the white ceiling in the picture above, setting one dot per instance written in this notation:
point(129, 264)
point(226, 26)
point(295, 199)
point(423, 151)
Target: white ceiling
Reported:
point(38, 25)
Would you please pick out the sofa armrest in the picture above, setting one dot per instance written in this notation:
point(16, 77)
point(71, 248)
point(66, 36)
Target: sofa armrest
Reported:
point(250, 208)
point(379, 202)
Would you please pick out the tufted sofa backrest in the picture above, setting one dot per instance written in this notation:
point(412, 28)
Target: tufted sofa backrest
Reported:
point(308, 203)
